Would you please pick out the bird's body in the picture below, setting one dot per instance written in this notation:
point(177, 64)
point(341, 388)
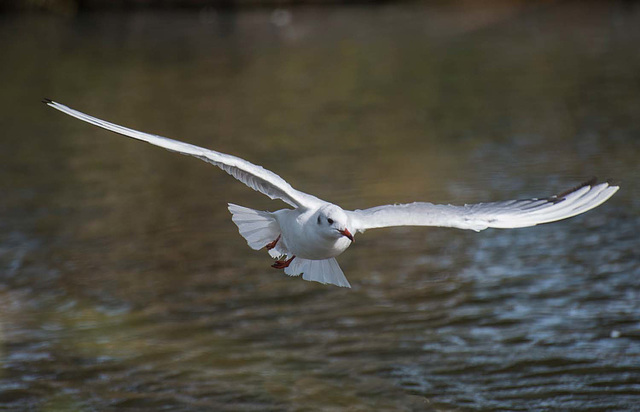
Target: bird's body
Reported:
point(301, 239)
point(314, 232)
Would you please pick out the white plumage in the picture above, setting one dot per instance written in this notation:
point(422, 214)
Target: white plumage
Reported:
point(504, 215)
point(314, 232)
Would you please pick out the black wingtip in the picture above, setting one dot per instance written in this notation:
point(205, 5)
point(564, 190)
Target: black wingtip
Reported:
point(47, 101)
point(613, 182)
point(591, 182)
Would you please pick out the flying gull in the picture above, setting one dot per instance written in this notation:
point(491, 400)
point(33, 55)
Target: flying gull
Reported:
point(306, 238)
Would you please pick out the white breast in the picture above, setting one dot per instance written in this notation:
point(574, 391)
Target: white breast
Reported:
point(302, 238)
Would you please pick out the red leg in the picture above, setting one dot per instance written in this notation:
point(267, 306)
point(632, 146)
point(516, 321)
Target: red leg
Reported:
point(271, 245)
point(281, 264)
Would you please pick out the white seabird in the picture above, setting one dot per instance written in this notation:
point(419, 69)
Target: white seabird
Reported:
point(307, 238)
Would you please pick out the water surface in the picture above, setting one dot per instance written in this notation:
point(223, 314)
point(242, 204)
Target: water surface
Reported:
point(124, 283)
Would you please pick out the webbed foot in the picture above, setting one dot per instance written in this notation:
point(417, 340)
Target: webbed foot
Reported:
point(281, 264)
point(271, 245)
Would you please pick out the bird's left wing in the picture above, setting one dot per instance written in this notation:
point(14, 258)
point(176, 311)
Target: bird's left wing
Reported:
point(506, 214)
point(254, 176)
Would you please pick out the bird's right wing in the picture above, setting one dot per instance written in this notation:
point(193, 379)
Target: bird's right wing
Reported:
point(254, 176)
point(506, 214)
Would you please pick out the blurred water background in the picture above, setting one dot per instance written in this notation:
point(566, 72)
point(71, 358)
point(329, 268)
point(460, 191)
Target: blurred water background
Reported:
point(124, 283)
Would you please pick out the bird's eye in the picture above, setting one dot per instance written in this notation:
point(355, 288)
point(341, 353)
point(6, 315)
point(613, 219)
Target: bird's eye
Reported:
point(330, 221)
point(319, 221)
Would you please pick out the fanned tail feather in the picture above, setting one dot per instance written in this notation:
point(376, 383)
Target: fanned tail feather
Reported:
point(325, 271)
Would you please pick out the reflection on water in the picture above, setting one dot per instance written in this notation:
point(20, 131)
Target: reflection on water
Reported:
point(123, 282)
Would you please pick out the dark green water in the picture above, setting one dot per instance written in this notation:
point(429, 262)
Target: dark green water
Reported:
point(124, 283)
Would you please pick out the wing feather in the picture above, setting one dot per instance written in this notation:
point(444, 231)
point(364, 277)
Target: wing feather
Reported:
point(506, 214)
point(254, 176)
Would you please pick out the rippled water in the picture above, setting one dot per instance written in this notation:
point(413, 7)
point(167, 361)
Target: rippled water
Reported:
point(124, 283)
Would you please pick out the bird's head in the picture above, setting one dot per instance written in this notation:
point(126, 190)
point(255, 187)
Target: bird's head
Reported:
point(333, 222)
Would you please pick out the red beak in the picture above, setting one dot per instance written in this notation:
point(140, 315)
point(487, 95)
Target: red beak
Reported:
point(348, 234)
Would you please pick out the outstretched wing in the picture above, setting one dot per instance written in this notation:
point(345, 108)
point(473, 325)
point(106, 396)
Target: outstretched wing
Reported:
point(507, 214)
point(256, 177)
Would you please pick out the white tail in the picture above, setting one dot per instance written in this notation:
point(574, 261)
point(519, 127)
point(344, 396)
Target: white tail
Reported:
point(257, 227)
point(323, 271)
